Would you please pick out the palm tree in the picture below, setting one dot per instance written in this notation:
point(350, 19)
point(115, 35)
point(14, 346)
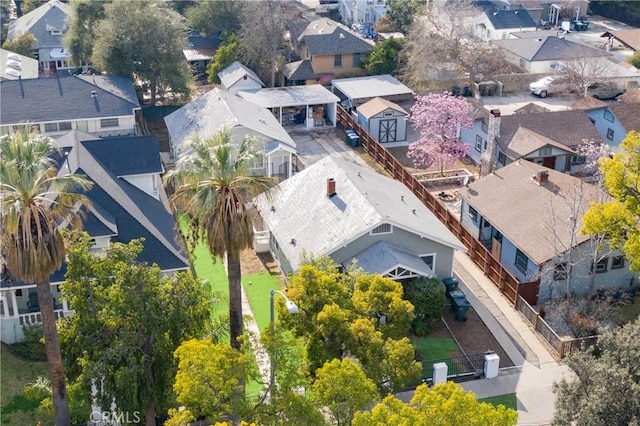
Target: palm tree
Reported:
point(34, 200)
point(211, 183)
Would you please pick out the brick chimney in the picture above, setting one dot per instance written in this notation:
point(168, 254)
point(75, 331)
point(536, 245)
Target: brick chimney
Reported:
point(489, 156)
point(541, 177)
point(331, 187)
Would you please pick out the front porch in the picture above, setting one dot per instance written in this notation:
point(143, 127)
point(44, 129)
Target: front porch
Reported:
point(19, 309)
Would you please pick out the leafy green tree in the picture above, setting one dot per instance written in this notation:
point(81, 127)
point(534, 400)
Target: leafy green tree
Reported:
point(209, 17)
point(402, 13)
point(81, 34)
point(443, 405)
point(29, 5)
point(428, 298)
point(34, 200)
point(22, 45)
point(212, 183)
point(635, 60)
point(145, 41)
point(207, 381)
point(607, 382)
point(225, 55)
point(385, 56)
point(128, 321)
point(181, 6)
point(344, 389)
point(381, 300)
point(618, 219)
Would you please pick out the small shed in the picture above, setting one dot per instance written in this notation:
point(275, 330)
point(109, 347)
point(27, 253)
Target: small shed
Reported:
point(384, 120)
point(307, 107)
point(237, 77)
point(354, 92)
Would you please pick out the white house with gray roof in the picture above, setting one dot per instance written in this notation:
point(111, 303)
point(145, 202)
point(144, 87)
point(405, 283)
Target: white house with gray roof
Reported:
point(48, 23)
point(348, 211)
point(237, 77)
point(218, 109)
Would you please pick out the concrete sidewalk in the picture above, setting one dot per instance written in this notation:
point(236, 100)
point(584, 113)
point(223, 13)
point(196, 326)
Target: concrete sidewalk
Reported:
point(536, 369)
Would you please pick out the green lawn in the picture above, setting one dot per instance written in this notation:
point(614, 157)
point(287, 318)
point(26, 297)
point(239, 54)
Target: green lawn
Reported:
point(509, 400)
point(435, 347)
point(258, 287)
point(15, 408)
point(629, 312)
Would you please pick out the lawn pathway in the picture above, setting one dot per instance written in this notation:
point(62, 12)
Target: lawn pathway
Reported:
point(262, 358)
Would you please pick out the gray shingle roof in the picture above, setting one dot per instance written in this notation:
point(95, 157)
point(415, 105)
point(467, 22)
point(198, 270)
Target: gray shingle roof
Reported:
point(365, 199)
point(143, 154)
point(523, 211)
point(299, 70)
point(40, 21)
point(216, 109)
point(382, 257)
point(627, 114)
point(235, 72)
point(570, 128)
point(40, 100)
point(548, 49)
point(327, 37)
point(504, 19)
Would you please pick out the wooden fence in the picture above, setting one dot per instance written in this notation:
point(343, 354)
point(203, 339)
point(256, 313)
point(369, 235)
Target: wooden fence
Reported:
point(562, 345)
point(498, 274)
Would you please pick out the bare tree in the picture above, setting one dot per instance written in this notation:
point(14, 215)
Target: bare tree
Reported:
point(442, 45)
point(584, 67)
point(262, 31)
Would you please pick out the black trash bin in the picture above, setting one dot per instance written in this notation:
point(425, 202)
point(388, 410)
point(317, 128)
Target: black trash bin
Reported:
point(462, 307)
point(455, 296)
point(451, 284)
point(351, 138)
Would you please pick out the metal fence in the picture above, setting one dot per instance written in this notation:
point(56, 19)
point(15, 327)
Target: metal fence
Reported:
point(492, 268)
point(470, 365)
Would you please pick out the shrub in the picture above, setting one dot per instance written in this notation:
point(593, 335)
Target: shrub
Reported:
point(635, 60)
point(32, 347)
point(428, 297)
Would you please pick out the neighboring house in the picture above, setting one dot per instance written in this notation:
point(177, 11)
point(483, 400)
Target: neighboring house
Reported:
point(237, 77)
point(298, 73)
point(127, 202)
point(331, 48)
point(14, 66)
point(538, 54)
point(348, 211)
point(366, 12)
point(200, 50)
point(207, 115)
point(546, 138)
point(101, 105)
point(307, 107)
point(48, 23)
point(529, 217)
point(498, 24)
point(355, 91)
point(613, 121)
point(384, 120)
point(628, 38)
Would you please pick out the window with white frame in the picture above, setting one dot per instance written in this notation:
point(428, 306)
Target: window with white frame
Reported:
point(608, 116)
point(578, 159)
point(478, 143)
point(109, 122)
point(429, 260)
point(50, 127)
point(600, 266)
point(484, 127)
point(385, 228)
point(337, 61)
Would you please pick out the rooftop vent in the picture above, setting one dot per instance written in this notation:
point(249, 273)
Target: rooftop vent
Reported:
point(93, 94)
point(342, 35)
point(541, 177)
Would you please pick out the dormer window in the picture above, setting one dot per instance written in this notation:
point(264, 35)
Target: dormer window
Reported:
point(56, 32)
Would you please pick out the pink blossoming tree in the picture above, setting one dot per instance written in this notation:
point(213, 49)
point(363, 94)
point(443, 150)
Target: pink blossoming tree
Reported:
point(592, 152)
point(439, 118)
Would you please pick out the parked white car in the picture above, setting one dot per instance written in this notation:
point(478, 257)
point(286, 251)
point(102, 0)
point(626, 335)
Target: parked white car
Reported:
point(542, 87)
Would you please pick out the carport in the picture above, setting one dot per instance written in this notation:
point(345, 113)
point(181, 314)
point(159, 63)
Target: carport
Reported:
point(354, 92)
point(310, 106)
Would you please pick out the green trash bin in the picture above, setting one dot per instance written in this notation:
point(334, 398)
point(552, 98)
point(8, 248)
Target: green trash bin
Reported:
point(451, 284)
point(462, 307)
point(455, 296)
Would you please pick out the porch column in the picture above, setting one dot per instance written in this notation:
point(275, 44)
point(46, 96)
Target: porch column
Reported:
point(280, 115)
point(290, 165)
point(5, 305)
point(65, 306)
point(14, 303)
